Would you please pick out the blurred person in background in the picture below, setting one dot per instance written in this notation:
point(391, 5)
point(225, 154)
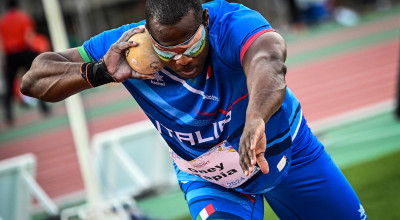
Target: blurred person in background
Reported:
point(295, 16)
point(348, 13)
point(311, 12)
point(236, 132)
point(17, 32)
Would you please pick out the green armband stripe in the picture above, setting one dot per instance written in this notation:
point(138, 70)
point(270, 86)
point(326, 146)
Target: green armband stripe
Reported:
point(85, 56)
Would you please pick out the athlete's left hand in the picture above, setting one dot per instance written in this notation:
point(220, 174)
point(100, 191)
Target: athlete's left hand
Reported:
point(253, 144)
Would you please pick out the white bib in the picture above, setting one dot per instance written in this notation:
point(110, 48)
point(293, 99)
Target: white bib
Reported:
point(219, 165)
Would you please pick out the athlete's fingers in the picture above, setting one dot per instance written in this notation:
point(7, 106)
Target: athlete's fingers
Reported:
point(133, 43)
point(122, 44)
point(140, 76)
point(262, 163)
point(120, 47)
point(128, 34)
point(244, 157)
point(254, 140)
point(244, 163)
point(247, 156)
point(257, 143)
point(248, 161)
point(252, 160)
point(252, 156)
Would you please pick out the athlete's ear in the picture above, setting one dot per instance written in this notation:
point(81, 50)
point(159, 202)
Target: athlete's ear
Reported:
point(206, 17)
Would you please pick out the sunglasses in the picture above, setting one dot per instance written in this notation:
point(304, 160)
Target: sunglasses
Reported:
point(191, 48)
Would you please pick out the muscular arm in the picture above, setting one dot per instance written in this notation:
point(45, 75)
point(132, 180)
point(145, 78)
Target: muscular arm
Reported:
point(264, 66)
point(265, 71)
point(54, 76)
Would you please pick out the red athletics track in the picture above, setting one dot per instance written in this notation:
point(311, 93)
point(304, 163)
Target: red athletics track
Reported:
point(58, 169)
point(334, 85)
point(346, 82)
point(340, 36)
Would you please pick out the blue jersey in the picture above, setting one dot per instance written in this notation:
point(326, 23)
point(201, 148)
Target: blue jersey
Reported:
point(194, 115)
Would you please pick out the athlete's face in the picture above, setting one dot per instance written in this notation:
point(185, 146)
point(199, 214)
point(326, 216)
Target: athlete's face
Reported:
point(189, 57)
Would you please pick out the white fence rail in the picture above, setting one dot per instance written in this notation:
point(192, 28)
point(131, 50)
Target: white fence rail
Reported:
point(131, 160)
point(18, 185)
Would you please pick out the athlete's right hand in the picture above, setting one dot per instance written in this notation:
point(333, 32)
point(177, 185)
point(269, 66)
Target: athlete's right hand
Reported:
point(252, 146)
point(115, 60)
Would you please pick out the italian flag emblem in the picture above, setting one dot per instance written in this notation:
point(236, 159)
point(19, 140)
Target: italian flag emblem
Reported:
point(207, 211)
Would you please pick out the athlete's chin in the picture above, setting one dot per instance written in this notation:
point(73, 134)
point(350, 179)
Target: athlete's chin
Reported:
point(190, 73)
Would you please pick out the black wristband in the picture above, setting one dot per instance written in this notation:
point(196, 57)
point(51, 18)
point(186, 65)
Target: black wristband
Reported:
point(96, 74)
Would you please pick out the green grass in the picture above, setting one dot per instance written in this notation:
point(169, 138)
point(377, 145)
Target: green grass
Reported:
point(377, 184)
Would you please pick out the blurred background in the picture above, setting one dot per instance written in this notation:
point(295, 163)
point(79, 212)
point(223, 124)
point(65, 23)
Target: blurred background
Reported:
point(343, 65)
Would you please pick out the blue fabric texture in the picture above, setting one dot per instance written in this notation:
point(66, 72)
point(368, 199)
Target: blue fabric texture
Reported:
point(194, 115)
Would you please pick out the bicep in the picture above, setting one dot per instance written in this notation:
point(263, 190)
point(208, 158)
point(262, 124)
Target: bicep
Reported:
point(267, 51)
point(265, 70)
point(72, 55)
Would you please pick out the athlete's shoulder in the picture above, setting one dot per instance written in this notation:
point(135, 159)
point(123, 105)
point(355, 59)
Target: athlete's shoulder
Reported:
point(222, 6)
point(222, 12)
point(230, 27)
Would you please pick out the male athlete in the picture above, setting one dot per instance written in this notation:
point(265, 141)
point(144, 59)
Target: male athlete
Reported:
point(235, 131)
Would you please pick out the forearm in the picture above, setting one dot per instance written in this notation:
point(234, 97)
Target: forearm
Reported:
point(264, 65)
point(267, 89)
point(265, 74)
point(54, 77)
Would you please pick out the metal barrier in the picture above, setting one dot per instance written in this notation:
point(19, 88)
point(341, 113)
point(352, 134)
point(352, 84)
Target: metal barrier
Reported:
point(131, 160)
point(18, 185)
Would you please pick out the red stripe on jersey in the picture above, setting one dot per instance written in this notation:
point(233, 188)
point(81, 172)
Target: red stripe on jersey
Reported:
point(250, 41)
point(249, 197)
point(221, 110)
point(209, 72)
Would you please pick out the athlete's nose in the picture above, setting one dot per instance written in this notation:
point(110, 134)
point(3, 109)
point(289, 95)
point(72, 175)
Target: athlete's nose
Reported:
point(184, 60)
